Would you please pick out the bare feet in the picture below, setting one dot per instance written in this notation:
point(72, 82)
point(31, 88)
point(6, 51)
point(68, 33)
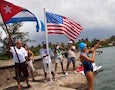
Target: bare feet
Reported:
point(45, 81)
point(33, 80)
point(29, 86)
point(55, 79)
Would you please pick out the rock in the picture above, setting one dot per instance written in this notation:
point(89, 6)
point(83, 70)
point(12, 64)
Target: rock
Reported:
point(71, 82)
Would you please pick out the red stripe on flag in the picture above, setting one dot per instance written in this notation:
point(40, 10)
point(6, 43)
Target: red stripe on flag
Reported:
point(62, 29)
point(69, 28)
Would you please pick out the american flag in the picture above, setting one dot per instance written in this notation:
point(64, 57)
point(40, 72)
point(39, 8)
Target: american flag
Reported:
point(57, 24)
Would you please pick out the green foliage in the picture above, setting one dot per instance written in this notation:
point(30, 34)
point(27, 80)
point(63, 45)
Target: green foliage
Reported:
point(4, 56)
point(89, 44)
point(15, 35)
point(63, 46)
point(93, 42)
point(77, 45)
point(35, 50)
point(50, 45)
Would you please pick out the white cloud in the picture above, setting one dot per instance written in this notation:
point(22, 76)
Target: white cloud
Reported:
point(89, 13)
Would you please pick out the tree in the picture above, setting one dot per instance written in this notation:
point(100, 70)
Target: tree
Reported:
point(94, 41)
point(50, 45)
point(15, 35)
point(112, 38)
point(63, 46)
point(36, 49)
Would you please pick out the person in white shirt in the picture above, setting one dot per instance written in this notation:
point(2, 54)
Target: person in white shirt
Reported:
point(71, 57)
point(20, 57)
point(46, 60)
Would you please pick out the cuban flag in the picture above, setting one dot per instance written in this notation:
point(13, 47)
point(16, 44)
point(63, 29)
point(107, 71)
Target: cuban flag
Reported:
point(11, 14)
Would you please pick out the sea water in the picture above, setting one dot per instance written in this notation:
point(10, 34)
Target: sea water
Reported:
point(105, 80)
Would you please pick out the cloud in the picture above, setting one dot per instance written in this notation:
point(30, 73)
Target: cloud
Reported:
point(90, 14)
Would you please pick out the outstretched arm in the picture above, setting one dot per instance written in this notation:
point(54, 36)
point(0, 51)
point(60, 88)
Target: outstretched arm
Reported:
point(95, 46)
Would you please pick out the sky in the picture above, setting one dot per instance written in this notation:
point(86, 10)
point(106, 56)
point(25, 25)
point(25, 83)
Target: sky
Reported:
point(97, 17)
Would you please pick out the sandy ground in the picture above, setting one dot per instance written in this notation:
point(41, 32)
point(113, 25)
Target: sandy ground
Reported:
point(70, 82)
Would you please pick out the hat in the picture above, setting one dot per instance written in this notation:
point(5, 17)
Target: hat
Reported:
point(73, 47)
point(43, 42)
point(70, 42)
point(58, 47)
point(82, 45)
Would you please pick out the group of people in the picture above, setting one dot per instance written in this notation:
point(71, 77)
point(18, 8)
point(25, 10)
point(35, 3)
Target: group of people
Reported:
point(56, 53)
point(23, 59)
point(58, 57)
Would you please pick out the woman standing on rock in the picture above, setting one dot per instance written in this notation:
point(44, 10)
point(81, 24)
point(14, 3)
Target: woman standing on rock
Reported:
point(30, 61)
point(87, 62)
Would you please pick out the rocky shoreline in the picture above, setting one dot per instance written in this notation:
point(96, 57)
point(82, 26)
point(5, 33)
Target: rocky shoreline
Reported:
point(71, 82)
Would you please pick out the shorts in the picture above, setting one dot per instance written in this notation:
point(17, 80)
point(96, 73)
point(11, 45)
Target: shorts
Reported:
point(87, 68)
point(21, 68)
point(46, 67)
point(30, 65)
point(57, 60)
point(71, 59)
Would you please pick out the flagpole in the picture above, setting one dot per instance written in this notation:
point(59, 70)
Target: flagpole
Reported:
point(47, 44)
point(9, 35)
